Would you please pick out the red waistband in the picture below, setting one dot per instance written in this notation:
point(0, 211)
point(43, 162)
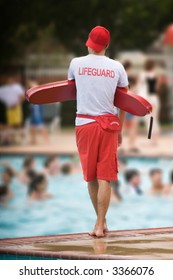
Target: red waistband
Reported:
point(94, 117)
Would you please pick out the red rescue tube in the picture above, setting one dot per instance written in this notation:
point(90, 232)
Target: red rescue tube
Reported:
point(66, 91)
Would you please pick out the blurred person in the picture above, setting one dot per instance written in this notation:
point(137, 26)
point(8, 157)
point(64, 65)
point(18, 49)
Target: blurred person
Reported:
point(37, 188)
point(131, 122)
point(148, 85)
point(133, 179)
point(5, 182)
point(5, 194)
point(28, 165)
point(4, 137)
point(115, 193)
point(7, 176)
point(12, 96)
point(22, 175)
point(128, 67)
point(36, 119)
point(171, 183)
point(66, 169)
point(97, 77)
point(51, 165)
point(157, 186)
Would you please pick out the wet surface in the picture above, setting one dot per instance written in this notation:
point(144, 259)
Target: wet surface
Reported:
point(154, 246)
point(135, 244)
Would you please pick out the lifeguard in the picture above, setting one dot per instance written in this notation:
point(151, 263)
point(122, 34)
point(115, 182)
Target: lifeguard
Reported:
point(98, 122)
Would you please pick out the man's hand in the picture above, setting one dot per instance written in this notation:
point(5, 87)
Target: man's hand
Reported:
point(120, 138)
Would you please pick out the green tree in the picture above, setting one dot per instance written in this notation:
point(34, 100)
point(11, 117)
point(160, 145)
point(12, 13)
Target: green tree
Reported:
point(133, 23)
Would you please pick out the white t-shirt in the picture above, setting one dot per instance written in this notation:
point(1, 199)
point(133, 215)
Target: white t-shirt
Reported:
point(10, 94)
point(96, 80)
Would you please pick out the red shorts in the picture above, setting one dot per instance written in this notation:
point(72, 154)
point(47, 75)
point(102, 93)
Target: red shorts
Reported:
point(98, 152)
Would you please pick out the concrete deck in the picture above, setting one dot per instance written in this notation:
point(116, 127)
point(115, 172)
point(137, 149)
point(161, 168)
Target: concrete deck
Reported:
point(64, 143)
point(127, 244)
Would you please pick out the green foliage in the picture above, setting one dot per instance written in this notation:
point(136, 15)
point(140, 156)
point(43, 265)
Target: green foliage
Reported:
point(133, 23)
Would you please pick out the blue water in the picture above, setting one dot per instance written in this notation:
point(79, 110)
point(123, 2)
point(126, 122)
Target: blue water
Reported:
point(70, 209)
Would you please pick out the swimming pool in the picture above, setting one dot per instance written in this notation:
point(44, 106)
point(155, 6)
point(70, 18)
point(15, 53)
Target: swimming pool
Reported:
point(70, 209)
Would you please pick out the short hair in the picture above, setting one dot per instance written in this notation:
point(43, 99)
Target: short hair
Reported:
point(149, 64)
point(31, 174)
point(129, 174)
point(9, 171)
point(127, 64)
point(48, 160)
point(171, 176)
point(154, 171)
point(27, 161)
point(66, 168)
point(3, 190)
point(37, 179)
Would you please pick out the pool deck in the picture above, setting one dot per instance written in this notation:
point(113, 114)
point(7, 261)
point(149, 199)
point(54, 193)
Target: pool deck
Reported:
point(64, 143)
point(121, 244)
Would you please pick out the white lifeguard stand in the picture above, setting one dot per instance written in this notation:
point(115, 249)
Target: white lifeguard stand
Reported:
point(168, 50)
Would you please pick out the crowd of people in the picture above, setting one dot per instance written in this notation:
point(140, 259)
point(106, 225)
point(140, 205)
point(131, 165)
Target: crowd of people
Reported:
point(147, 84)
point(17, 114)
point(37, 184)
point(133, 182)
point(28, 175)
point(18, 117)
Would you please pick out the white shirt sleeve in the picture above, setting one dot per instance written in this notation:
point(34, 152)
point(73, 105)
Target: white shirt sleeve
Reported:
point(71, 71)
point(123, 79)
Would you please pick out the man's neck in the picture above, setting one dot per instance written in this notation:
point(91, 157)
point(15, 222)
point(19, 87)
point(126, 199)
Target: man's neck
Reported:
point(102, 53)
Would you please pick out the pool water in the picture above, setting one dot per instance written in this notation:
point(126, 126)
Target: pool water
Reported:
point(70, 209)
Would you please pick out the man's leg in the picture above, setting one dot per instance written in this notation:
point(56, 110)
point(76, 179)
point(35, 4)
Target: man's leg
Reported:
point(93, 188)
point(103, 200)
point(93, 192)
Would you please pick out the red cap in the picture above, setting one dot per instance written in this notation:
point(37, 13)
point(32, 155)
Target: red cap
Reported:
point(98, 39)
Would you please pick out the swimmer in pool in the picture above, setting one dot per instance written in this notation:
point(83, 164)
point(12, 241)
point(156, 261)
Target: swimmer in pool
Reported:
point(22, 175)
point(38, 187)
point(157, 186)
point(51, 165)
point(5, 191)
point(133, 180)
point(5, 194)
point(28, 165)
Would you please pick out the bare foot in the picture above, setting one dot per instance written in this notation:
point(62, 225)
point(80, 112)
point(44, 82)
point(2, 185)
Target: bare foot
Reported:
point(93, 232)
point(105, 227)
point(98, 231)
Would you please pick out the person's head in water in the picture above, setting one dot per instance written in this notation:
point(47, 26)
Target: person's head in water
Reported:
point(7, 176)
point(156, 178)
point(51, 165)
point(29, 163)
point(132, 177)
point(98, 40)
point(171, 177)
point(38, 184)
point(3, 190)
point(66, 168)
